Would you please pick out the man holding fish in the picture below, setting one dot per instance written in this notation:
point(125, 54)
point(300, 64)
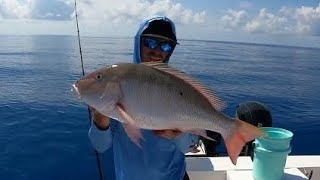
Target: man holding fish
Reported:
point(157, 110)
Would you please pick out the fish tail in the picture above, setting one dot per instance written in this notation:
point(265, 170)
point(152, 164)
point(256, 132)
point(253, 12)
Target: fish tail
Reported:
point(239, 136)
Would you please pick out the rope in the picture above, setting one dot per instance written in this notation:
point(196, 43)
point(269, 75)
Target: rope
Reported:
point(82, 67)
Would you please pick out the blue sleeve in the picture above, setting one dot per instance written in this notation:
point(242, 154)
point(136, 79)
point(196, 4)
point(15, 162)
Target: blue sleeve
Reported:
point(100, 140)
point(186, 141)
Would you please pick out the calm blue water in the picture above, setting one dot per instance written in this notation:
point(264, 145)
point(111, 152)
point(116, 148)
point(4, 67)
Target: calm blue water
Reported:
point(43, 129)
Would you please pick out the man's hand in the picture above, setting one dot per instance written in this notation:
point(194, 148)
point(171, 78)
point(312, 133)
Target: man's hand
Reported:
point(168, 133)
point(102, 122)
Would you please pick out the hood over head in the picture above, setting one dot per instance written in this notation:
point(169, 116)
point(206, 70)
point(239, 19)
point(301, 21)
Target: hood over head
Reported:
point(156, 26)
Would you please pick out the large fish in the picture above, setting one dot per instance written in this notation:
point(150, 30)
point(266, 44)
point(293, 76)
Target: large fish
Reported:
point(156, 96)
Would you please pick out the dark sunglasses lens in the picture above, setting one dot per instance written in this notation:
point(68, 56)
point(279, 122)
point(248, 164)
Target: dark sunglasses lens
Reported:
point(150, 43)
point(166, 47)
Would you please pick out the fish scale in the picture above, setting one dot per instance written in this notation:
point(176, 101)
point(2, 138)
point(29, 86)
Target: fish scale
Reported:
point(156, 96)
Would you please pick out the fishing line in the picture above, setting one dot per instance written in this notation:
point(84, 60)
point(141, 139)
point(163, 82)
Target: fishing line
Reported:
point(82, 67)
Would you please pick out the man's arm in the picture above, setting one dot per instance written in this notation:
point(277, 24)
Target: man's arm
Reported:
point(99, 133)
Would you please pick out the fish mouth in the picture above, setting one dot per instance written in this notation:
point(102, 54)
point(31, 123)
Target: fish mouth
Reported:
point(76, 92)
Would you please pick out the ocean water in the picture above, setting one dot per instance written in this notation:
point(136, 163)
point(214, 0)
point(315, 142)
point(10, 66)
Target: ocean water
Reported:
point(43, 129)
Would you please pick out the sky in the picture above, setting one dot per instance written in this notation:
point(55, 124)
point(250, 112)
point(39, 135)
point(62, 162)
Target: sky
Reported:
point(260, 21)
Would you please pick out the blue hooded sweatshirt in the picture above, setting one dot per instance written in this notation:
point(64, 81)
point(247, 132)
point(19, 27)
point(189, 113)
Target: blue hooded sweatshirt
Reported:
point(159, 158)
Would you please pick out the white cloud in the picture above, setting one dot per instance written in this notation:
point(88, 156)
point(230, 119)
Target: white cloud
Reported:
point(302, 20)
point(267, 22)
point(13, 9)
point(51, 10)
point(95, 16)
point(110, 17)
point(234, 19)
point(36, 9)
point(132, 11)
point(127, 11)
point(308, 20)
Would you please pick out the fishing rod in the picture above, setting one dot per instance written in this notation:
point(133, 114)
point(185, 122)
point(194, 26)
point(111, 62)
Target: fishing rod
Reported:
point(82, 67)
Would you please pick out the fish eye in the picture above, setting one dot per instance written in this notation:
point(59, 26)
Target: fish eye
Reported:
point(99, 76)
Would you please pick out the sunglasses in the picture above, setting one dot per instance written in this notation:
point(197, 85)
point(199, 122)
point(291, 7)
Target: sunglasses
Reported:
point(154, 43)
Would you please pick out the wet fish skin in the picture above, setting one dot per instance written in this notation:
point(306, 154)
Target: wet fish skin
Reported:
point(156, 96)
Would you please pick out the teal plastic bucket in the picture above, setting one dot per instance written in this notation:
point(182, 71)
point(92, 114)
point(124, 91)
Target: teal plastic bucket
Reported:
point(270, 154)
point(278, 139)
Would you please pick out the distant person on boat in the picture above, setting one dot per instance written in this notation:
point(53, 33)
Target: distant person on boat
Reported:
point(162, 156)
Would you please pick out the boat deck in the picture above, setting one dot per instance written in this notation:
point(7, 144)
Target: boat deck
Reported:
point(221, 168)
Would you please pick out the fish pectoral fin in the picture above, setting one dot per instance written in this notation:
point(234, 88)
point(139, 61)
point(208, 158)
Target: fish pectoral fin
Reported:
point(132, 131)
point(126, 117)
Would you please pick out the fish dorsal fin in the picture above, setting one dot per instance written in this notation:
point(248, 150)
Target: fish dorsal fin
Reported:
point(216, 102)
